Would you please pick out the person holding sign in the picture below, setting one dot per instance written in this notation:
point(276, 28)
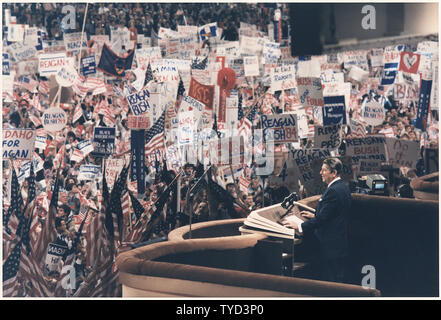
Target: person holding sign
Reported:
point(329, 222)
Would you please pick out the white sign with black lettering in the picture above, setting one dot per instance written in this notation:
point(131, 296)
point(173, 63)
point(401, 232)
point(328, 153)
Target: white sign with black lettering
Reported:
point(54, 255)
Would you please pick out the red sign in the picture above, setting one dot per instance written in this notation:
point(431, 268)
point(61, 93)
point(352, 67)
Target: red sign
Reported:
point(409, 62)
point(202, 93)
point(140, 122)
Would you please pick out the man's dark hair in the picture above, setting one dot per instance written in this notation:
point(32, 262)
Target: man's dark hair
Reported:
point(334, 164)
point(58, 221)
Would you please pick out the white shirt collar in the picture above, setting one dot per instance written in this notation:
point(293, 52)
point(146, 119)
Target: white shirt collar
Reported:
point(336, 179)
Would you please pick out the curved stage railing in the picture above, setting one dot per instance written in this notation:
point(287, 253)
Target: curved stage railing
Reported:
point(397, 237)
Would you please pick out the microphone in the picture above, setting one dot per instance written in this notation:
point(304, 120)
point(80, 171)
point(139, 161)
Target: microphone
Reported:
point(289, 200)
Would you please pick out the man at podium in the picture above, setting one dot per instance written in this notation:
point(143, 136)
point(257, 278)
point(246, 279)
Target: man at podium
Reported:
point(329, 222)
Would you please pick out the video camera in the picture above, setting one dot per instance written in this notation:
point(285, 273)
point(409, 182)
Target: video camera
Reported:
point(374, 184)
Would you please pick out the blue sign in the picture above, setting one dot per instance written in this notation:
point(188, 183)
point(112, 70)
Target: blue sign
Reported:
point(5, 63)
point(103, 141)
point(334, 110)
point(40, 35)
point(389, 74)
point(138, 159)
point(88, 65)
point(423, 104)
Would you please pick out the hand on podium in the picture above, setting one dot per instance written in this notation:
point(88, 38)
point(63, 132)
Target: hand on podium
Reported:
point(307, 214)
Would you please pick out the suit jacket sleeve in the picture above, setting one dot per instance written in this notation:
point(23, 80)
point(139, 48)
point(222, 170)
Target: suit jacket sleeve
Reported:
point(327, 210)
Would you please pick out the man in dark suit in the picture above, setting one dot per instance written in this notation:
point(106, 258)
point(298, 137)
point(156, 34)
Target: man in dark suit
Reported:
point(329, 222)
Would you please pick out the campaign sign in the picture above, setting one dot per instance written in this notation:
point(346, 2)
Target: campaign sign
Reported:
point(5, 64)
point(202, 93)
point(406, 92)
point(434, 91)
point(138, 159)
point(402, 153)
point(304, 162)
point(327, 137)
point(103, 141)
point(423, 104)
point(89, 172)
point(280, 128)
point(373, 113)
point(66, 76)
point(40, 142)
point(21, 51)
point(310, 91)
point(54, 119)
point(368, 153)
point(85, 146)
point(88, 65)
point(409, 62)
point(356, 58)
point(282, 78)
point(72, 41)
point(50, 64)
point(18, 143)
point(113, 169)
point(389, 74)
point(186, 127)
point(140, 122)
point(334, 110)
point(138, 102)
point(54, 255)
point(190, 104)
point(376, 56)
point(251, 66)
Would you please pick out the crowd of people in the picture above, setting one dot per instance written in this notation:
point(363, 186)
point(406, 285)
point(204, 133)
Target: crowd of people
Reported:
point(163, 203)
point(145, 17)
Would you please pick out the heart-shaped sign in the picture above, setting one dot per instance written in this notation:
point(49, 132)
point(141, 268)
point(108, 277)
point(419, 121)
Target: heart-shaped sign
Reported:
point(409, 61)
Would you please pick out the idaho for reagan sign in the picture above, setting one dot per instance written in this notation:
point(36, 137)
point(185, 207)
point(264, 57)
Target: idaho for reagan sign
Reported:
point(18, 143)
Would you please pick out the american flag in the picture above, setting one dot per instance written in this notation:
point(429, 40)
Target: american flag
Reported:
point(16, 202)
point(36, 102)
point(77, 155)
point(77, 114)
point(31, 185)
point(71, 254)
point(98, 242)
point(200, 65)
point(25, 97)
point(219, 194)
point(35, 120)
point(30, 269)
point(10, 269)
point(44, 87)
point(118, 92)
point(114, 214)
point(48, 233)
point(357, 128)
point(246, 122)
point(104, 282)
point(181, 88)
point(137, 206)
point(125, 207)
point(148, 75)
point(240, 113)
point(155, 136)
point(28, 83)
point(215, 127)
point(244, 183)
point(32, 273)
